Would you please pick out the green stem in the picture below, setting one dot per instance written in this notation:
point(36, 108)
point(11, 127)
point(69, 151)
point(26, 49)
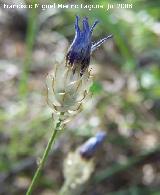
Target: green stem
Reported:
point(44, 158)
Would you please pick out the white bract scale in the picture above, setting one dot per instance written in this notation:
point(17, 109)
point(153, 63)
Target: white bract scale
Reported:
point(67, 91)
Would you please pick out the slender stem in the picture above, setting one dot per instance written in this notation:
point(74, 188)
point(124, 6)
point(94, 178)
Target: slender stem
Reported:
point(43, 160)
point(32, 28)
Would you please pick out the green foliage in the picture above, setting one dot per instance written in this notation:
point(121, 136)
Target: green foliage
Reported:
point(96, 88)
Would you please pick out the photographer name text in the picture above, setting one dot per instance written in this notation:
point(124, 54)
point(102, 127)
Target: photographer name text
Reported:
point(68, 6)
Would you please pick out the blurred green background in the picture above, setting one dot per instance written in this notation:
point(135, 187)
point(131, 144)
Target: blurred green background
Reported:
point(125, 102)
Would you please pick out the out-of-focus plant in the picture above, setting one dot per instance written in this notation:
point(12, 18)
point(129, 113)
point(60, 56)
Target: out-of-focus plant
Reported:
point(79, 165)
point(30, 38)
point(68, 85)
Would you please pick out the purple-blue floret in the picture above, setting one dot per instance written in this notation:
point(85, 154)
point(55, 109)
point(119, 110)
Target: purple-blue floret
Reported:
point(81, 48)
point(88, 149)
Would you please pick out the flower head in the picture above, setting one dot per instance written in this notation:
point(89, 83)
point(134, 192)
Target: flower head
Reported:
point(78, 56)
point(68, 84)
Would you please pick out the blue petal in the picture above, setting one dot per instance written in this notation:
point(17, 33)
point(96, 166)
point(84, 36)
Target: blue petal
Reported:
point(99, 43)
point(93, 26)
point(77, 25)
point(85, 25)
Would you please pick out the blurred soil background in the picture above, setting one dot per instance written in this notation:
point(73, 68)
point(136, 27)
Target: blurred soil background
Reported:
point(125, 101)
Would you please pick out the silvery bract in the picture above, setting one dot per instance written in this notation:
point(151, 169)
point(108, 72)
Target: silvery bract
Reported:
point(67, 91)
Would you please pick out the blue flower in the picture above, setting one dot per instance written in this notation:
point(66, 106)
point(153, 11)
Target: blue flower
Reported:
point(78, 55)
point(88, 149)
